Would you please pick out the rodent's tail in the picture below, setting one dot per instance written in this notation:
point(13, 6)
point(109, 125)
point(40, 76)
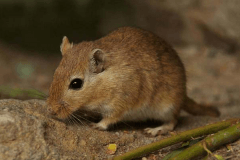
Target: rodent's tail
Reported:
point(198, 109)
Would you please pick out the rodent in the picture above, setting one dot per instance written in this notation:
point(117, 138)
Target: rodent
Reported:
point(129, 75)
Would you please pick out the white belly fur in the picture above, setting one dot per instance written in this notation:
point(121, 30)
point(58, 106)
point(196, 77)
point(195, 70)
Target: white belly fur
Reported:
point(163, 112)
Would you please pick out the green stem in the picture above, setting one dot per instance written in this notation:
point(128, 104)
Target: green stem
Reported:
point(227, 135)
point(184, 136)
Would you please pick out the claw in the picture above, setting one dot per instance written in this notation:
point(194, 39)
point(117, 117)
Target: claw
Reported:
point(98, 126)
point(153, 131)
point(161, 130)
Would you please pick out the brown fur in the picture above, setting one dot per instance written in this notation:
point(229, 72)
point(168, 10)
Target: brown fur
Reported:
point(131, 74)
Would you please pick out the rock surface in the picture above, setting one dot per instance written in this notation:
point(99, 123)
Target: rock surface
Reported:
point(195, 22)
point(22, 131)
point(26, 132)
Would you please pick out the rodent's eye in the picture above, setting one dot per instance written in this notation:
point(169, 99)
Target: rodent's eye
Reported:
point(76, 84)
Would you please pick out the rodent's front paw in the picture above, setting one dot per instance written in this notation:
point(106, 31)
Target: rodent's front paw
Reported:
point(100, 126)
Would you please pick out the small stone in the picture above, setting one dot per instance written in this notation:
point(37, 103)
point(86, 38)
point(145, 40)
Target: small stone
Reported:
point(83, 143)
point(6, 119)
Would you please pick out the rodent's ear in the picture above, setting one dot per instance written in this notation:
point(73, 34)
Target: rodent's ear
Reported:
point(65, 45)
point(98, 56)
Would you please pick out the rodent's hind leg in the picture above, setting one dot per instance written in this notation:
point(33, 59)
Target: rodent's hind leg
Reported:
point(163, 129)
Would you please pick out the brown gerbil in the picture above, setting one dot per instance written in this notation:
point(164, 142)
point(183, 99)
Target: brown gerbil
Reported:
point(131, 74)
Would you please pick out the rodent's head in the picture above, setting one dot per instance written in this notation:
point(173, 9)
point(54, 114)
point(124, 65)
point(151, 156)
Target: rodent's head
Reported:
point(75, 79)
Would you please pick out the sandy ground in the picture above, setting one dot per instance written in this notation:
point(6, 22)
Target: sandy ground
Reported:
point(213, 78)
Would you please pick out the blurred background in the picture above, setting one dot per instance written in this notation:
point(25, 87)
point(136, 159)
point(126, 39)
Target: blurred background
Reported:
point(205, 33)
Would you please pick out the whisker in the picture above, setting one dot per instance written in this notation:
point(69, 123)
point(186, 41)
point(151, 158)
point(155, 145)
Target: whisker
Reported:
point(74, 120)
point(82, 118)
point(88, 115)
point(128, 125)
point(77, 119)
point(70, 121)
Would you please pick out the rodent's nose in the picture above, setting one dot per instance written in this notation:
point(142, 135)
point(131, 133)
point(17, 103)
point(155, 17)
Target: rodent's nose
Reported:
point(63, 103)
point(51, 112)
